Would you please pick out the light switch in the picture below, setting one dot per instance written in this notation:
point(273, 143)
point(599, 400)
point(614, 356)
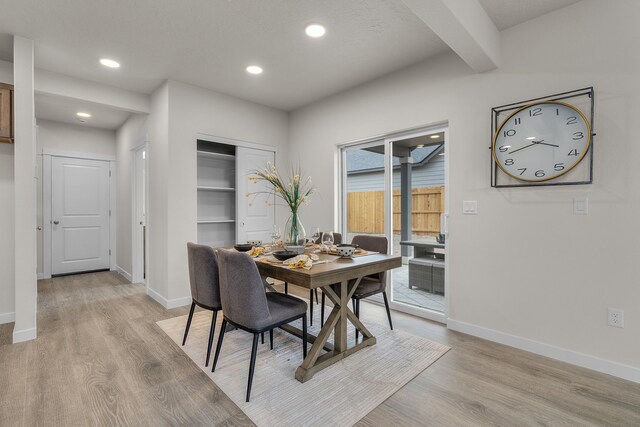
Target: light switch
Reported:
point(470, 207)
point(581, 206)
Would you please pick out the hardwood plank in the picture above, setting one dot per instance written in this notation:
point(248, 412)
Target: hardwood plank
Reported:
point(101, 359)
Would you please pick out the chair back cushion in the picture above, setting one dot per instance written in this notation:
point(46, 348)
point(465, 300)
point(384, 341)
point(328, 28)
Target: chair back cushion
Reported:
point(374, 244)
point(242, 291)
point(203, 275)
point(337, 238)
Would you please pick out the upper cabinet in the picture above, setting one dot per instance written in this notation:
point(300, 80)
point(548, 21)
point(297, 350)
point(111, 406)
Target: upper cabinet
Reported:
point(6, 113)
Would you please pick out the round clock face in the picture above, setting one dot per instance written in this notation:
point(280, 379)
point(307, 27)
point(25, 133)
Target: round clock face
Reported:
point(541, 141)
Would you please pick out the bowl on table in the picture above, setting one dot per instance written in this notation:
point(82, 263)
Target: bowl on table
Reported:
point(243, 247)
point(353, 245)
point(345, 251)
point(298, 249)
point(283, 255)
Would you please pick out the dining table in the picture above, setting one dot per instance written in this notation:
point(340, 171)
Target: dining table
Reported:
point(338, 277)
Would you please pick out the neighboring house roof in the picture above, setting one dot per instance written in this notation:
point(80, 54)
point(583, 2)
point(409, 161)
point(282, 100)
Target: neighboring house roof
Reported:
point(362, 161)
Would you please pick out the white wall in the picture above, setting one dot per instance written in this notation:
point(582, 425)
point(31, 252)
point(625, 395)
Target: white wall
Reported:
point(195, 110)
point(24, 194)
point(525, 268)
point(131, 133)
point(71, 138)
point(7, 260)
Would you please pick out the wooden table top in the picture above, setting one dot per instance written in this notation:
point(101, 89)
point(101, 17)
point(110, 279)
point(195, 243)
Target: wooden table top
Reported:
point(334, 271)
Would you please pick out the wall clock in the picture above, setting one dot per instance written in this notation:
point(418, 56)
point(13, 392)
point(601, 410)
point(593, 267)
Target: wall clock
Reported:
point(540, 142)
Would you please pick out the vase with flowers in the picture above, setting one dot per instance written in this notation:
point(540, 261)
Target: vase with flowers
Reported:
point(294, 191)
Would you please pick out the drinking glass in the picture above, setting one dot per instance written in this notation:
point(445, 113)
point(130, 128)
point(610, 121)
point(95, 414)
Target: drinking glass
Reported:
point(327, 239)
point(315, 237)
point(276, 235)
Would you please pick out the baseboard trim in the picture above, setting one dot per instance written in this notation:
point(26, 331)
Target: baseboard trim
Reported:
point(40, 276)
point(7, 318)
point(168, 304)
point(616, 369)
point(24, 335)
point(123, 273)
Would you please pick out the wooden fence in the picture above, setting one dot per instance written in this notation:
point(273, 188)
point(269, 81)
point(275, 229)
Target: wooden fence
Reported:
point(365, 211)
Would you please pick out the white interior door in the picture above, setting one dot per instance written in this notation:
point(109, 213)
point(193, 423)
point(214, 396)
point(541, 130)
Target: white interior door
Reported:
point(79, 215)
point(256, 213)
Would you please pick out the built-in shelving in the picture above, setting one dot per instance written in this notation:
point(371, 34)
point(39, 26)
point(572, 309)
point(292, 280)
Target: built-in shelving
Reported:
point(212, 155)
point(216, 194)
point(204, 188)
point(216, 221)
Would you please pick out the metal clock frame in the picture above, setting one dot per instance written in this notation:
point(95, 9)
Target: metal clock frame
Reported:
point(565, 97)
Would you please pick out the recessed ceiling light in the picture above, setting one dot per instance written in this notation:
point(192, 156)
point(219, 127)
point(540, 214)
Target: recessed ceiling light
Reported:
point(530, 138)
point(254, 69)
point(420, 146)
point(441, 154)
point(84, 115)
point(109, 63)
point(434, 136)
point(315, 30)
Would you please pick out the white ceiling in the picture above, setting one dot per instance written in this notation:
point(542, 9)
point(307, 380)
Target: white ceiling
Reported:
point(209, 42)
point(60, 109)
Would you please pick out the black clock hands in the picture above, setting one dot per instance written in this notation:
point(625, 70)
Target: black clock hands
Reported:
point(522, 148)
point(532, 144)
point(544, 143)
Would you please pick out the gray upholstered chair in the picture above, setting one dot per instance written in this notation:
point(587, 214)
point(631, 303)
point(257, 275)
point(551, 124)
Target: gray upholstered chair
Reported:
point(247, 306)
point(375, 283)
point(205, 288)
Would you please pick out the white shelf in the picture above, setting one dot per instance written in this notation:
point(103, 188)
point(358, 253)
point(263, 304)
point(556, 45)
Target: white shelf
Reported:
point(205, 188)
point(216, 221)
point(216, 155)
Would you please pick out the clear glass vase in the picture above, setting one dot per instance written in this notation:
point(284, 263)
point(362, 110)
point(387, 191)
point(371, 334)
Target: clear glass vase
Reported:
point(294, 232)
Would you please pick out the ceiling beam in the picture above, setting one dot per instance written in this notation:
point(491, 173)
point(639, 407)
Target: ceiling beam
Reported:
point(51, 83)
point(465, 27)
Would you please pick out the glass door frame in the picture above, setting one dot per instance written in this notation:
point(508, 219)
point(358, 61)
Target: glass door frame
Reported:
point(387, 141)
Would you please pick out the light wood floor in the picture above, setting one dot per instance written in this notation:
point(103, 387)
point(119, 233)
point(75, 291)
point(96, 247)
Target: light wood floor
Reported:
point(100, 359)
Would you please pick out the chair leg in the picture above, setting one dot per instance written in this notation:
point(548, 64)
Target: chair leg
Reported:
point(322, 311)
point(386, 305)
point(310, 307)
point(252, 364)
point(286, 288)
point(211, 332)
point(186, 330)
point(316, 292)
point(262, 335)
point(304, 336)
point(271, 338)
point(219, 345)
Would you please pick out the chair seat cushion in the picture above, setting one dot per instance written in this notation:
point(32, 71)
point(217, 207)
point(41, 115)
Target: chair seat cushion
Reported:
point(368, 285)
point(283, 307)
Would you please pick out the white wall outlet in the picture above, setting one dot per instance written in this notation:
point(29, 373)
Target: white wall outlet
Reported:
point(615, 317)
point(470, 207)
point(581, 206)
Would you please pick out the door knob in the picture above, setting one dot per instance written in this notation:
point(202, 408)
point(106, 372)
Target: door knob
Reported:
point(56, 222)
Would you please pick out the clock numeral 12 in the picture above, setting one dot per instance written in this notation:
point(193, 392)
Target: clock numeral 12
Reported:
point(535, 112)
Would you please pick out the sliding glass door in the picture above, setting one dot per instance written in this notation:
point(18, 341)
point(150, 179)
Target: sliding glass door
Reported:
point(396, 187)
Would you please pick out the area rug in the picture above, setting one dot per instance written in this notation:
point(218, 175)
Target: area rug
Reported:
point(339, 395)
